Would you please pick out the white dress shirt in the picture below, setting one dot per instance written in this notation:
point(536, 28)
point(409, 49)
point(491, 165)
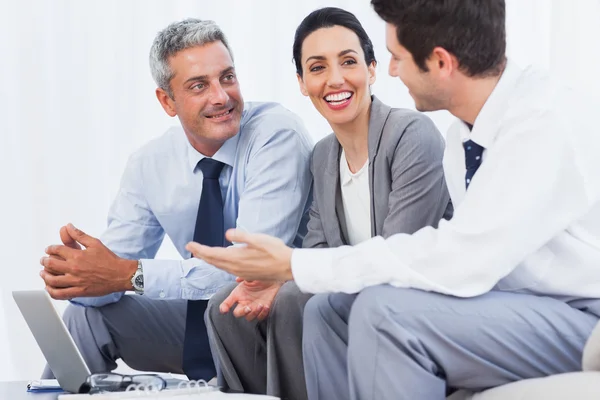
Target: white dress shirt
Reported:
point(356, 198)
point(529, 222)
point(265, 185)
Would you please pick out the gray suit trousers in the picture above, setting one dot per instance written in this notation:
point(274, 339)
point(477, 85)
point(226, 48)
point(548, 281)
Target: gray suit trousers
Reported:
point(147, 334)
point(260, 357)
point(392, 343)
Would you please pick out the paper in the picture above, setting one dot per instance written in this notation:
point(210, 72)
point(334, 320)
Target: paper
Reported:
point(175, 394)
point(44, 385)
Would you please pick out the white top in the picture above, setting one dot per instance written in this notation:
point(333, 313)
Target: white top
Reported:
point(530, 220)
point(356, 198)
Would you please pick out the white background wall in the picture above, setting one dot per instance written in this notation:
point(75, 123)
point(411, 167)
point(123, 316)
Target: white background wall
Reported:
point(76, 98)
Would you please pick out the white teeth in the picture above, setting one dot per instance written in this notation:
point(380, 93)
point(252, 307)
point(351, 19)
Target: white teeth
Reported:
point(338, 96)
point(220, 115)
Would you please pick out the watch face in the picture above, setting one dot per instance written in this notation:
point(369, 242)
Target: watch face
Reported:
point(139, 281)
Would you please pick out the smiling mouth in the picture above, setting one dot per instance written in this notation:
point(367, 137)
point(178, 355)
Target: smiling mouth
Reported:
point(338, 98)
point(220, 115)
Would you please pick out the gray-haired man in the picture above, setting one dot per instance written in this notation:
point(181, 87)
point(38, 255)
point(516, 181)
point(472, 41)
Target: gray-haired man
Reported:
point(229, 164)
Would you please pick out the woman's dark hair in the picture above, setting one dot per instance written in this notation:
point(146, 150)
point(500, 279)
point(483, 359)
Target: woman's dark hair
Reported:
point(473, 30)
point(326, 18)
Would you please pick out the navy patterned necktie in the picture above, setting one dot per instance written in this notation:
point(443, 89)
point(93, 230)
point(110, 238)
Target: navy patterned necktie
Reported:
point(197, 359)
point(473, 154)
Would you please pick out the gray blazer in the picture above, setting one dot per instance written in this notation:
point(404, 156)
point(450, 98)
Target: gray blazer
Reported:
point(408, 190)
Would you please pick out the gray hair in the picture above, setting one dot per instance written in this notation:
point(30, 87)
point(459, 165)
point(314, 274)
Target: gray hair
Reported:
point(176, 37)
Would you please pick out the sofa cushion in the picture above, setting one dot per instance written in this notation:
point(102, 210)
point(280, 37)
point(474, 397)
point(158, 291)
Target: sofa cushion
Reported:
point(574, 385)
point(591, 351)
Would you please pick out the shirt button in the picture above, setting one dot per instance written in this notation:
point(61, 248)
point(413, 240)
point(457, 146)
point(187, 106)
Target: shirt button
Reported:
point(161, 294)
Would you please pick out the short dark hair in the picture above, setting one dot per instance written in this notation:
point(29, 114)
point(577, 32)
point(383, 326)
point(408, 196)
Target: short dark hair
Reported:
point(473, 30)
point(328, 17)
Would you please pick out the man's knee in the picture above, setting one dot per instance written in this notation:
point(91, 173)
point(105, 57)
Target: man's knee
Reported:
point(376, 303)
point(76, 318)
point(87, 326)
point(315, 308)
point(323, 307)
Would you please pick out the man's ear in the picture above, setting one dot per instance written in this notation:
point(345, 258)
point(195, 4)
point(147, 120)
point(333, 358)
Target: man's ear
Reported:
point(442, 62)
point(302, 85)
point(167, 103)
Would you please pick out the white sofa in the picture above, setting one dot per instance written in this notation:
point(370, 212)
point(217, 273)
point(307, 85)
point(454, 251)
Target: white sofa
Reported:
point(584, 385)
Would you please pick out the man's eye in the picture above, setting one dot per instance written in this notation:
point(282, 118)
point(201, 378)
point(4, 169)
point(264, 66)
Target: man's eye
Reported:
point(229, 77)
point(198, 86)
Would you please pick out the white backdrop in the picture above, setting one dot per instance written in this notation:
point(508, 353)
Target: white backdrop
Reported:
point(76, 98)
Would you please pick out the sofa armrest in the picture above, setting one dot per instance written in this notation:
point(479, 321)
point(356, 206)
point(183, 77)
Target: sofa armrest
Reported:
point(591, 351)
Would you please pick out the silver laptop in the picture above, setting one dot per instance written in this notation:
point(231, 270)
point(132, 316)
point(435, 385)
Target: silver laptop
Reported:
point(56, 342)
point(52, 337)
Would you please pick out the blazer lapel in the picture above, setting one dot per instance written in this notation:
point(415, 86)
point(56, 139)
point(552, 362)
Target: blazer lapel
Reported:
point(379, 115)
point(333, 195)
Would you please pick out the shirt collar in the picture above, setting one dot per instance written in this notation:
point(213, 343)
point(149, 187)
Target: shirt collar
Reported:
point(345, 173)
point(226, 154)
point(485, 127)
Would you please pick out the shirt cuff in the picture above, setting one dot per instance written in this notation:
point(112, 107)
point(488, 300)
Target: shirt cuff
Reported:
point(162, 279)
point(312, 269)
point(97, 301)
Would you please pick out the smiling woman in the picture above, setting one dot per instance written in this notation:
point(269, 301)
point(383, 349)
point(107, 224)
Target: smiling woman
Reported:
point(335, 66)
point(379, 173)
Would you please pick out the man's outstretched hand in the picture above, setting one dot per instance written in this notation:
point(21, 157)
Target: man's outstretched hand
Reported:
point(264, 258)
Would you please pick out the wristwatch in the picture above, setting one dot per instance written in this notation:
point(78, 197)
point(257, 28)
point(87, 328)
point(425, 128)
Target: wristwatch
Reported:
point(137, 280)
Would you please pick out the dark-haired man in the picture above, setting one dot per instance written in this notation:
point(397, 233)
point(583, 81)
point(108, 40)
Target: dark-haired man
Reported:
point(506, 290)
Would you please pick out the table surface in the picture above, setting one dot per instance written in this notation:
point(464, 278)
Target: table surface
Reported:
point(18, 391)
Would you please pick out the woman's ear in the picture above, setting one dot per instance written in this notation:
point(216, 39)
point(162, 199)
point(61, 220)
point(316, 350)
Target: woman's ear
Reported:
point(302, 85)
point(372, 72)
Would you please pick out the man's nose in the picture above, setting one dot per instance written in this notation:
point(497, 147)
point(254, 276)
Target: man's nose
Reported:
point(218, 95)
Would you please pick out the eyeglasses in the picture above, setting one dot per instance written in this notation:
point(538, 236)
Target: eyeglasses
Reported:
point(113, 382)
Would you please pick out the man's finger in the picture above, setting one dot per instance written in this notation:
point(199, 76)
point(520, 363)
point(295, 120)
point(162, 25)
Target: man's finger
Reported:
point(195, 248)
point(82, 237)
point(63, 293)
point(257, 240)
point(220, 257)
point(228, 259)
point(58, 281)
point(239, 236)
point(54, 266)
point(62, 251)
point(67, 239)
point(203, 252)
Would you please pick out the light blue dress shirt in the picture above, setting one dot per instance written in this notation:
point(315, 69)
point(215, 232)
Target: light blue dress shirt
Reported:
point(265, 185)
